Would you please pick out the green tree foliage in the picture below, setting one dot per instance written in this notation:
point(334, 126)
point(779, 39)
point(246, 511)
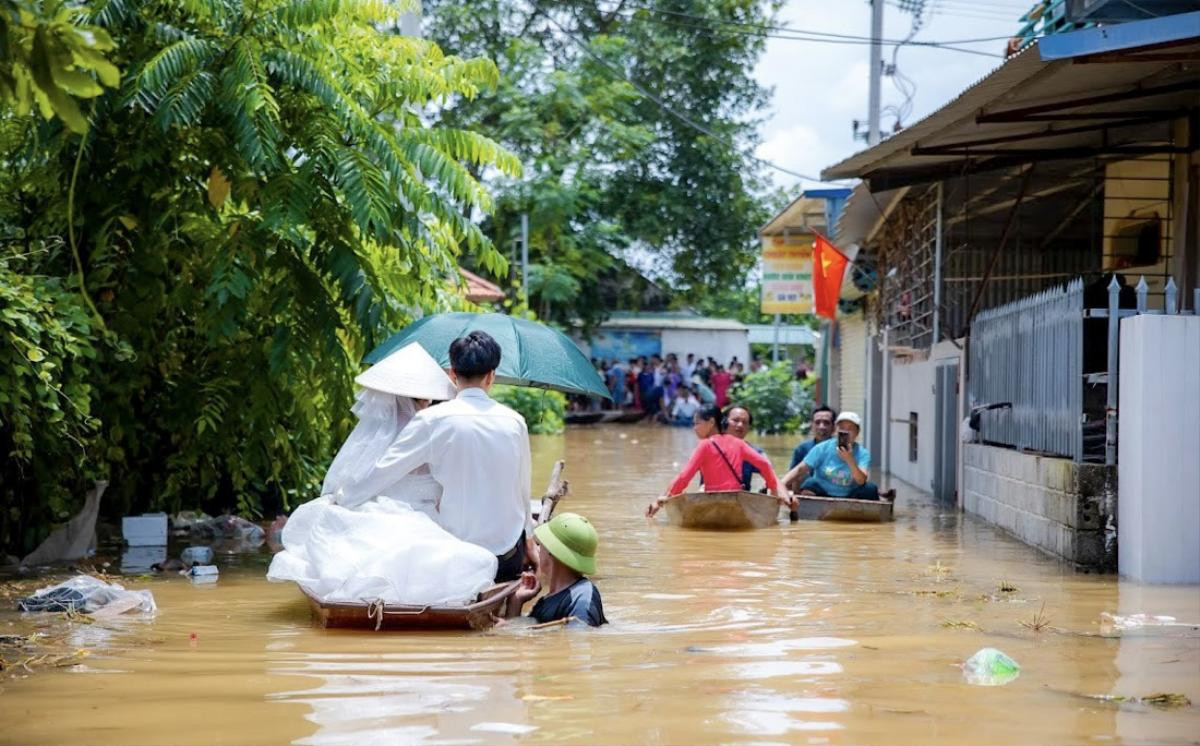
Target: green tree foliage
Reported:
point(779, 402)
point(50, 54)
point(543, 410)
point(593, 97)
point(258, 203)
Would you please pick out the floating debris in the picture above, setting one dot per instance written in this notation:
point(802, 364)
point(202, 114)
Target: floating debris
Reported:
point(1007, 587)
point(1039, 621)
point(961, 624)
point(1161, 700)
point(1116, 625)
point(990, 667)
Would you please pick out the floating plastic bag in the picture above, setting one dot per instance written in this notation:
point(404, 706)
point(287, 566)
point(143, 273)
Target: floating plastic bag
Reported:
point(88, 595)
point(229, 533)
point(184, 521)
point(990, 667)
point(1116, 625)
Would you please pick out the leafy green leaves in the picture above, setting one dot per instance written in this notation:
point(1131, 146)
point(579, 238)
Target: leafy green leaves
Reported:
point(49, 57)
point(263, 200)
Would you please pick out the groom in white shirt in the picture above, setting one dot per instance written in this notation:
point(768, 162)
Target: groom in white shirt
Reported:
point(478, 450)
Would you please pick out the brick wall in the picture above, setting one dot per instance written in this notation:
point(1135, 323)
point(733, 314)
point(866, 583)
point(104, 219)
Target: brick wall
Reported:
point(1063, 508)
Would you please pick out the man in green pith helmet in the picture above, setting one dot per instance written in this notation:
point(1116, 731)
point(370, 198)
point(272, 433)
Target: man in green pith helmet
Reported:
point(566, 552)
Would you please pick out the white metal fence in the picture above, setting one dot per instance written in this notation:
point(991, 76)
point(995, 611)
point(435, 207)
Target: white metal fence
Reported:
point(1029, 354)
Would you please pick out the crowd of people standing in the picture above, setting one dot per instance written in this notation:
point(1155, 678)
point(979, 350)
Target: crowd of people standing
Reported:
point(671, 390)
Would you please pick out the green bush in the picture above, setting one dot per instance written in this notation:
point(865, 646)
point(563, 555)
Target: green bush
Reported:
point(778, 402)
point(543, 410)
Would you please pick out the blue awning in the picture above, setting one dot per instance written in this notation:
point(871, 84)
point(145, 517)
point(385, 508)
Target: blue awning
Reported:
point(1146, 35)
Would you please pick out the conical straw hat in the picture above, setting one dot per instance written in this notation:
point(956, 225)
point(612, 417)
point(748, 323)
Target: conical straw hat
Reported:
point(409, 371)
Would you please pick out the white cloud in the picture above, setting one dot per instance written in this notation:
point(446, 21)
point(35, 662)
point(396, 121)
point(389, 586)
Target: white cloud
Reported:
point(819, 88)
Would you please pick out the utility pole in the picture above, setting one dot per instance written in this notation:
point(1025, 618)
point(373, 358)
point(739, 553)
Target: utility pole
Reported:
point(876, 72)
point(525, 256)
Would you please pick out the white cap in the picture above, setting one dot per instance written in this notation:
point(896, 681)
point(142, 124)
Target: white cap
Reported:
point(850, 417)
point(409, 371)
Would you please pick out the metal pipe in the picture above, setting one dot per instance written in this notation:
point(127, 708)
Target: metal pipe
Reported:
point(1114, 339)
point(937, 267)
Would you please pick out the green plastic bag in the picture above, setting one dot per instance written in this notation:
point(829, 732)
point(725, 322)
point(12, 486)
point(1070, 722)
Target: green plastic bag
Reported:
point(990, 667)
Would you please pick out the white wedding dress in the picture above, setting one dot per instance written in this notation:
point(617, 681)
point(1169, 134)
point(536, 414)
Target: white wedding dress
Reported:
point(389, 547)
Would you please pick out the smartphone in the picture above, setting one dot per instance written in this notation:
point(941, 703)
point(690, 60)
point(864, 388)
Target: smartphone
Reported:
point(843, 439)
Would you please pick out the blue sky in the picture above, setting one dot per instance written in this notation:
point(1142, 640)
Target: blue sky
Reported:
point(818, 89)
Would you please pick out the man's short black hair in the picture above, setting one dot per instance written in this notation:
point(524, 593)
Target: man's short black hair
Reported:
point(474, 355)
point(823, 408)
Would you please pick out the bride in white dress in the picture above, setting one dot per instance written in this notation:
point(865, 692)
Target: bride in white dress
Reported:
point(388, 547)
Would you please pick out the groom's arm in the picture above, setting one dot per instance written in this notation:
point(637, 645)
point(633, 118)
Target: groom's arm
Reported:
point(412, 448)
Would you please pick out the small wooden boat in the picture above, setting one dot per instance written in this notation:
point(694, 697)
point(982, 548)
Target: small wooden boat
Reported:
point(393, 617)
point(477, 615)
point(812, 508)
point(729, 511)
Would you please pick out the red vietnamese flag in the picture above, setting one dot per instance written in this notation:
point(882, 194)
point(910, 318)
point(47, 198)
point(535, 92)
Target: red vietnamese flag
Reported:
point(829, 266)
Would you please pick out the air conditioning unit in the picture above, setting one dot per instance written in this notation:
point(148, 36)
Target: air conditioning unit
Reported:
point(1116, 11)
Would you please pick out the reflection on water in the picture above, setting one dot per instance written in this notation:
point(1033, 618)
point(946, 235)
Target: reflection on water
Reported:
point(809, 634)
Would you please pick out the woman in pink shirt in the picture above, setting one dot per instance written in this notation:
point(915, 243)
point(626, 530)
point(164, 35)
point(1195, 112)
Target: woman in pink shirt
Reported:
point(721, 381)
point(719, 459)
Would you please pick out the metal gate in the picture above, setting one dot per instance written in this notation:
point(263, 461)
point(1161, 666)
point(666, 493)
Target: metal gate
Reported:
point(945, 469)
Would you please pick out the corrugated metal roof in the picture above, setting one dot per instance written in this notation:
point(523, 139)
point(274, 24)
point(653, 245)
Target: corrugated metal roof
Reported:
point(650, 321)
point(788, 335)
point(1030, 109)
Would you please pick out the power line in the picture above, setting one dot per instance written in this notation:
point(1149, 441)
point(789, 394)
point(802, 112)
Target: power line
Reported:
point(780, 31)
point(664, 105)
point(860, 41)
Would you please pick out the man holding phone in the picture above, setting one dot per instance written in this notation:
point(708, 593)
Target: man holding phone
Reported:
point(837, 467)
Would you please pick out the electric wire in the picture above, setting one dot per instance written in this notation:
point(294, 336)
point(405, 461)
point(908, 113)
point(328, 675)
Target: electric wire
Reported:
point(664, 106)
point(769, 29)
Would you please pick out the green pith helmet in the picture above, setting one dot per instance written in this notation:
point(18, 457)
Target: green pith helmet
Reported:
point(570, 539)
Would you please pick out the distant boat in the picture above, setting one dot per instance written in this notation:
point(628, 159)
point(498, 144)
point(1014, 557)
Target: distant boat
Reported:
point(583, 418)
point(812, 508)
point(623, 415)
point(723, 511)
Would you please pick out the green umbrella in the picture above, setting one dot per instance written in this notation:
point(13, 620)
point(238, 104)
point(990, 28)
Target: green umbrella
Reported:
point(531, 354)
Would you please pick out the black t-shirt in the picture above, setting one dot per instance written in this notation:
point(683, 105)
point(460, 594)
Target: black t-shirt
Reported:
point(581, 600)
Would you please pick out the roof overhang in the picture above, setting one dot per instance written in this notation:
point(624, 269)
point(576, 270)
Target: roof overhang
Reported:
point(1107, 92)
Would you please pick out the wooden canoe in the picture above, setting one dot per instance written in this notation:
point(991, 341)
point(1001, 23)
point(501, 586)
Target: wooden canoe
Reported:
point(729, 511)
point(812, 508)
point(402, 617)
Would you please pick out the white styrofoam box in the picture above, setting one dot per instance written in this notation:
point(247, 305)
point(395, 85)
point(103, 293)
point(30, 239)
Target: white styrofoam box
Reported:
point(140, 558)
point(146, 530)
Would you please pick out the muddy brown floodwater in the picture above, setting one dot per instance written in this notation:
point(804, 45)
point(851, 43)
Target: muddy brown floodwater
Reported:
point(802, 634)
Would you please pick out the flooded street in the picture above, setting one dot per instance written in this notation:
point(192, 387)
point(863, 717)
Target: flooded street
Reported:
point(810, 633)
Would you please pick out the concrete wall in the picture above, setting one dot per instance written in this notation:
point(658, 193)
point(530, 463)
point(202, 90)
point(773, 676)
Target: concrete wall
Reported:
point(720, 345)
point(911, 386)
point(852, 349)
point(1159, 449)
point(1054, 504)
